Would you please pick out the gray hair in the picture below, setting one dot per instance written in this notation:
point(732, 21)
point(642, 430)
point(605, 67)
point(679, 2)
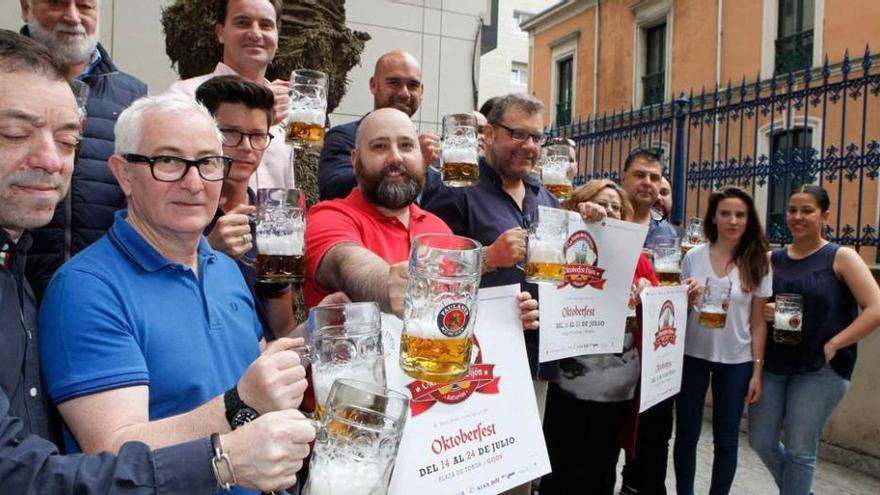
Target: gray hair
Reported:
point(129, 125)
point(525, 102)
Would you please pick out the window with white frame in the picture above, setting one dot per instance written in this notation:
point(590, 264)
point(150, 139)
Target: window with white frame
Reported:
point(519, 73)
point(653, 44)
point(563, 81)
point(520, 17)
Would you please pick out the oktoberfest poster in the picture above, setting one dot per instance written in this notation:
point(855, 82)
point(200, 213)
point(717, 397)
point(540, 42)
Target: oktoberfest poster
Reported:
point(481, 435)
point(664, 320)
point(586, 313)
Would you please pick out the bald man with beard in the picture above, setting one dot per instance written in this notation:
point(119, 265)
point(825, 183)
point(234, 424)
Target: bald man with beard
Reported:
point(396, 83)
point(360, 244)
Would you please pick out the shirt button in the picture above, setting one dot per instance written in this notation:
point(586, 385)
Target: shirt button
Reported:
point(33, 391)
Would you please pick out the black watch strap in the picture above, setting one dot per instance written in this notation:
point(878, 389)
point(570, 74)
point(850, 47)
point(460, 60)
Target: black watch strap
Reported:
point(237, 412)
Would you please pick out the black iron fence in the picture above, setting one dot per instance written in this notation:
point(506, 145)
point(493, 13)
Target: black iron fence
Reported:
point(768, 136)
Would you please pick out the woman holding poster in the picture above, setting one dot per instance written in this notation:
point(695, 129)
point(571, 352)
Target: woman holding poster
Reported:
point(725, 336)
point(812, 353)
point(588, 405)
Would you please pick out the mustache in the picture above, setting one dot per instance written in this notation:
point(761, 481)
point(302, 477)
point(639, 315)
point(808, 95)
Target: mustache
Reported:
point(77, 29)
point(34, 178)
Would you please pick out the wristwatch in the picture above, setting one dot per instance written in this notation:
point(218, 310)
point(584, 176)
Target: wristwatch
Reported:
point(237, 412)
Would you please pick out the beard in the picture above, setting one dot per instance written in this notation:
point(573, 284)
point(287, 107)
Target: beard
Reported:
point(69, 52)
point(389, 195)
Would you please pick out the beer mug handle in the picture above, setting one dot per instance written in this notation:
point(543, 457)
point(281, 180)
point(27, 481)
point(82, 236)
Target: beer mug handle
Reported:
point(306, 354)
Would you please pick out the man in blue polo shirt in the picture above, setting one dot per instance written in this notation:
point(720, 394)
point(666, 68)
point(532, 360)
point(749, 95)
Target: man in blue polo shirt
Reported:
point(145, 330)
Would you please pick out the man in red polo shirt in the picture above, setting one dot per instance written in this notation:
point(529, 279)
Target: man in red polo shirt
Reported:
point(360, 244)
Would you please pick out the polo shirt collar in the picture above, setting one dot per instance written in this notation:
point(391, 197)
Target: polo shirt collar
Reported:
point(356, 200)
point(492, 175)
point(142, 253)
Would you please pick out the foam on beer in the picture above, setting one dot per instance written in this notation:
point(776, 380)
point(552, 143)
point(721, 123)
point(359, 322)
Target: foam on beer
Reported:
point(459, 155)
point(667, 266)
point(345, 475)
point(553, 176)
point(325, 374)
point(280, 245)
point(782, 321)
point(424, 329)
point(545, 252)
point(307, 116)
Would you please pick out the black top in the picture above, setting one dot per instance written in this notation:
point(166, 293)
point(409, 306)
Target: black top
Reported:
point(29, 460)
point(829, 307)
point(483, 212)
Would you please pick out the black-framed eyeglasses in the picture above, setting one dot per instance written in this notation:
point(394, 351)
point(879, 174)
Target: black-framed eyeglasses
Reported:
point(258, 140)
point(520, 135)
point(167, 168)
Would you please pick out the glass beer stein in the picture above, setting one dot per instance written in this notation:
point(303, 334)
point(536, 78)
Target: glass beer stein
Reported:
point(345, 341)
point(307, 111)
point(667, 259)
point(714, 303)
point(459, 150)
point(280, 239)
point(357, 440)
point(693, 235)
point(440, 307)
point(555, 158)
point(788, 318)
point(545, 247)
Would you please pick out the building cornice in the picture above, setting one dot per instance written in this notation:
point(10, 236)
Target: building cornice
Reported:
point(554, 15)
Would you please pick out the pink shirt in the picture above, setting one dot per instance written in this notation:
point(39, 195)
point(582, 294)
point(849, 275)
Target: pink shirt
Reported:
point(275, 171)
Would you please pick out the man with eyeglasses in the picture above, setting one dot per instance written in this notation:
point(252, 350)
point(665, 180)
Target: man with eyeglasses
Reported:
point(498, 210)
point(243, 111)
point(144, 331)
point(39, 130)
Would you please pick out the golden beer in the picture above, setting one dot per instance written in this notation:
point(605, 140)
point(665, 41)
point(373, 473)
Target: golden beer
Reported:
point(537, 270)
point(669, 275)
point(713, 317)
point(305, 132)
point(561, 191)
point(458, 174)
point(280, 268)
point(685, 248)
point(435, 360)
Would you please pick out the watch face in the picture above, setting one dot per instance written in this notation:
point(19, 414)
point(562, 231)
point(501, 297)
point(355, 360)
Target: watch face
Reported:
point(243, 416)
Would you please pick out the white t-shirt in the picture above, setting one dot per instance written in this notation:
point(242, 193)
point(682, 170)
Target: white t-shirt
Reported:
point(733, 343)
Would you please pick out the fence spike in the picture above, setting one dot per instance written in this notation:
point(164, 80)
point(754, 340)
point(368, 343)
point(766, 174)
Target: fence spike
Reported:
point(866, 59)
point(847, 66)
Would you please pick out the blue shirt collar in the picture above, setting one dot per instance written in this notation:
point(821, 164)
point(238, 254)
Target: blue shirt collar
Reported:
point(96, 59)
point(142, 253)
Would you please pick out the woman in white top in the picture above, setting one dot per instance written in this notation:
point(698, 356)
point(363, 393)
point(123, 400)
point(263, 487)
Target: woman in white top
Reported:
point(729, 357)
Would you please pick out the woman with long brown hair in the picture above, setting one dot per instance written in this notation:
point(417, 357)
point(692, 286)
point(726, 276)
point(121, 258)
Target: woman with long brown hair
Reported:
point(727, 354)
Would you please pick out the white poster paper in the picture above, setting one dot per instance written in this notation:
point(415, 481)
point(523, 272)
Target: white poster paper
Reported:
point(664, 321)
point(587, 313)
point(481, 435)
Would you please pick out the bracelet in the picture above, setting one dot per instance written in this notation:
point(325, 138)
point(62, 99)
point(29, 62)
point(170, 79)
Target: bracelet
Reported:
point(221, 458)
point(758, 361)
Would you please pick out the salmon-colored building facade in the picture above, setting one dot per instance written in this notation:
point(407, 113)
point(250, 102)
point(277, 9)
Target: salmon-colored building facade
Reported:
point(630, 54)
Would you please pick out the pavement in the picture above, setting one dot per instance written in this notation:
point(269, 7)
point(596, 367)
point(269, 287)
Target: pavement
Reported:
point(753, 479)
